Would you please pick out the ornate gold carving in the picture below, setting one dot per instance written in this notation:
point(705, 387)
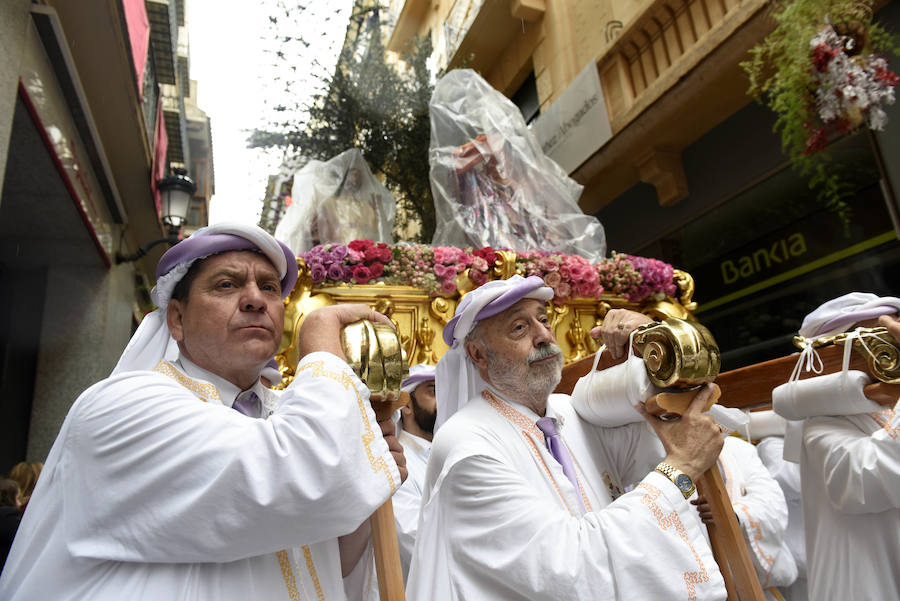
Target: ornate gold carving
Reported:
point(685, 284)
point(880, 350)
point(556, 313)
point(678, 353)
point(603, 308)
point(576, 337)
point(420, 319)
point(425, 338)
point(464, 284)
point(505, 267)
point(442, 309)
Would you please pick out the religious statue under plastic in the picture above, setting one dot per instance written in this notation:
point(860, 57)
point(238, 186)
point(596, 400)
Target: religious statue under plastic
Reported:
point(337, 201)
point(492, 183)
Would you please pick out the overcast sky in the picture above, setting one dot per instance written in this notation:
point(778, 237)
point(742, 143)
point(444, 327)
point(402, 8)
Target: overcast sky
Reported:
point(234, 73)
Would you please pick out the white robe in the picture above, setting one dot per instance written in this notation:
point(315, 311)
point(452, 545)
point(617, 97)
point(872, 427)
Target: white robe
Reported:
point(762, 512)
point(156, 489)
point(787, 474)
point(408, 499)
point(500, 520)
point(850, 469)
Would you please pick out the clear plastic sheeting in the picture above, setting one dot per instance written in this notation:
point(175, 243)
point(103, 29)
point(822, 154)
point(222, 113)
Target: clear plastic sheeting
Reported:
point(337, 201)
point(492, 183)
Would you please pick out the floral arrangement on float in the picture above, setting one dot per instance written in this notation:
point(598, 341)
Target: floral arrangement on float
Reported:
point(822, 72)
point(447, 270)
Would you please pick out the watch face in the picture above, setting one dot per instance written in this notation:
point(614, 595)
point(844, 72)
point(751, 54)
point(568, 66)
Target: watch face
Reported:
point(684, 482)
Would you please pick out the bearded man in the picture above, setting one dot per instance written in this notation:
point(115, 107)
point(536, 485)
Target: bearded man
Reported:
point(525, 500)
point(416, 430)
point(182, 477)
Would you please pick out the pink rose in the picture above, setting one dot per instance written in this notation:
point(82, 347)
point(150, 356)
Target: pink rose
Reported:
point(478, 277)
point(586, 290)
point(444, 254)
point(553, 279)
point(548, 264)
point(479, 264)
point(448, 287)
point(563, 290)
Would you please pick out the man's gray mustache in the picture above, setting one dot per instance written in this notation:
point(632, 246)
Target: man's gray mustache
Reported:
point(543, 352)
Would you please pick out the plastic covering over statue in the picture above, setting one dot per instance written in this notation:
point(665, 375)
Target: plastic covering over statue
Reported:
point(492, 183)
point(338, 201)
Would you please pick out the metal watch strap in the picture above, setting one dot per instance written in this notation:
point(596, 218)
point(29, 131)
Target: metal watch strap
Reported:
point(672, 473)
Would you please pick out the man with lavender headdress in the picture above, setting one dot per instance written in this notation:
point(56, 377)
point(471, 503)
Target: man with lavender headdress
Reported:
point(416, 430)
point(524, 500)
point(182, 477)
point(849, 455)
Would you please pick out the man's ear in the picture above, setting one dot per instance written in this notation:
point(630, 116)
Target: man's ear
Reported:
point(478, 354)
point(406, 410)
point(175, 319)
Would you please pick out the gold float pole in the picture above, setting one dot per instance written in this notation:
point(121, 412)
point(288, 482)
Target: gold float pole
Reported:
point(374, 353)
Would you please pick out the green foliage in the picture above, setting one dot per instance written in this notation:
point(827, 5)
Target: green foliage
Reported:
point(380, 108)
point(782, 78)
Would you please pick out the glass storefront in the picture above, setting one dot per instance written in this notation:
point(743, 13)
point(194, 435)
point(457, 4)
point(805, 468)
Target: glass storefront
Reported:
point(773, 252)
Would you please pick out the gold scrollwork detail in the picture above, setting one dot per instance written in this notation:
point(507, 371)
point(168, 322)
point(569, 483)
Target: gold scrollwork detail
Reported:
point(442, 309)
point(464, 284)
point(603, 308)
point(556, 313)
point(505, 267)
point(685, 283)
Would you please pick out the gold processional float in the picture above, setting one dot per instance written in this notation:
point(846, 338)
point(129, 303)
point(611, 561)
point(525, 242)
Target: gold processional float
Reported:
point(420, 318)
point(679, 354)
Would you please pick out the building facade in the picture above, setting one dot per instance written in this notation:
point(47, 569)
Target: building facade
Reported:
point(92, 113)
point(645, 104)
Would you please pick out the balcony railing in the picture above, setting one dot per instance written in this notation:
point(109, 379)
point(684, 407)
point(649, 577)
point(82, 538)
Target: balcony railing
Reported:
point(661, 45)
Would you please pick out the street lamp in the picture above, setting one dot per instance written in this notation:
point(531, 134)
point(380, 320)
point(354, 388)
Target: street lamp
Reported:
point(175, 192)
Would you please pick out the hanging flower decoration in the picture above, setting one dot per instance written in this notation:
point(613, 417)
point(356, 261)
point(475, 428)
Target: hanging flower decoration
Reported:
point(850, 86)
point(820, 73)
point(437, 270)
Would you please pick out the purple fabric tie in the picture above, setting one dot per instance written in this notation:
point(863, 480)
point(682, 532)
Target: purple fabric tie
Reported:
point(249, 405)
point(558, 449)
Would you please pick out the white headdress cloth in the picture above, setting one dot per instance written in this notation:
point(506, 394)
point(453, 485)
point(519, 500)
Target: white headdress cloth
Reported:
point(152, 342)
point(419, 373)
point(838, 314)
point(457, 379)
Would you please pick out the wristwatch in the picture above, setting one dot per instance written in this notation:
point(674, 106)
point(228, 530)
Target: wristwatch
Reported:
point(678, 478)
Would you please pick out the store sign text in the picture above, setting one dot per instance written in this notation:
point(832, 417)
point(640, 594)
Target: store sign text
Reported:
point(763, 259)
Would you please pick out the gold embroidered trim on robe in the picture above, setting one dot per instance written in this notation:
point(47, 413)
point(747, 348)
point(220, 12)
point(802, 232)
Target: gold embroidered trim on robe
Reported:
point(318, 369)
point(204, 390)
